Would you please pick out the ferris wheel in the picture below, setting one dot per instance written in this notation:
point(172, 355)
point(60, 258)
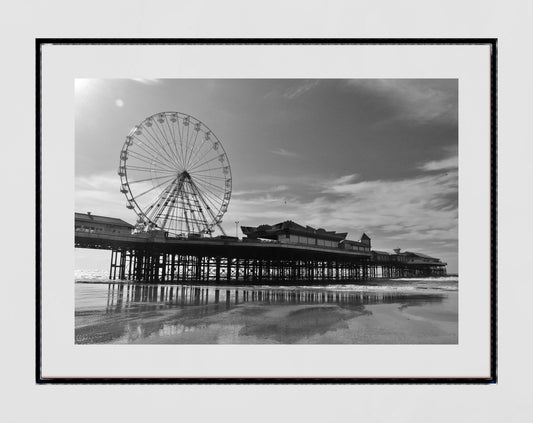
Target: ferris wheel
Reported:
point(175, 175)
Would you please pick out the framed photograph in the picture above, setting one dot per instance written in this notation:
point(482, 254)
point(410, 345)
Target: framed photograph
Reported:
point(266, 211)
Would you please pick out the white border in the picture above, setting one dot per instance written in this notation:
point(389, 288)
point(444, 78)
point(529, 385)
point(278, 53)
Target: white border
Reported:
point(61, 64)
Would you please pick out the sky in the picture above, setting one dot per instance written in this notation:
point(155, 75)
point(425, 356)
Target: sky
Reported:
point(365, 155)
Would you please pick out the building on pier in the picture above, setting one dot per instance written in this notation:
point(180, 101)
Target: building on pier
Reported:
point(90, 223)
point(290, 232)
point(381, 256)
point(419, 258)
point(363, 245)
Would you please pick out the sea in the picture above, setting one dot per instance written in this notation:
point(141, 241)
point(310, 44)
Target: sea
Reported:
point(393, 311)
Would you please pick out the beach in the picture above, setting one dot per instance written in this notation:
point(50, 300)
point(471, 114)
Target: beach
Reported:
point(400, 311)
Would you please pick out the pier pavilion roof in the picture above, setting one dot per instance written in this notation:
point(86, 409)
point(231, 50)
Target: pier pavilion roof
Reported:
point(92, 218)
point(357, 243)
point(420, 255)
point(290, 227)
point(422, 258)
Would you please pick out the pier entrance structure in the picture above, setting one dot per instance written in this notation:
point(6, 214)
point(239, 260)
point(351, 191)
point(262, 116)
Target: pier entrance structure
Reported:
point(152, 256)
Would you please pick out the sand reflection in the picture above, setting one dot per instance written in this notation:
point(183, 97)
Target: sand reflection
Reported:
point(127, 313)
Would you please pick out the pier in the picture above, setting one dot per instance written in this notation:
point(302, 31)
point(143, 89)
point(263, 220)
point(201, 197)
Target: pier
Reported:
point(155, 257)
point(176, 178)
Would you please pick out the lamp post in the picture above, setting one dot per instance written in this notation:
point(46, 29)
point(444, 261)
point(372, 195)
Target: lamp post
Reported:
point(236, 228)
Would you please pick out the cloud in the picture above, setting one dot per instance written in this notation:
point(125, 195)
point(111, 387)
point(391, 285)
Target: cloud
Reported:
point(421, 208)
point(345, 179)
point(277, 188)
point(284, 153)
point(412, 212)
point(100, 194)
point(297, 91)
point(418, 100)
point(445, 164)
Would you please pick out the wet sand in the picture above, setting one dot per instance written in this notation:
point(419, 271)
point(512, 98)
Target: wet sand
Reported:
point(115, 313)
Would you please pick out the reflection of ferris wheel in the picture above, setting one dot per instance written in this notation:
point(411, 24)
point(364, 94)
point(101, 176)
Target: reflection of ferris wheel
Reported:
point(175, 175)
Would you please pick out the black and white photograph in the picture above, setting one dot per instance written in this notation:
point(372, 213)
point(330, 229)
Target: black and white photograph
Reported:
point(266, 211)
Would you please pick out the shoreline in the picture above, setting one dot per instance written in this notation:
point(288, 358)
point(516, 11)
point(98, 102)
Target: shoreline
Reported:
point(233, 284)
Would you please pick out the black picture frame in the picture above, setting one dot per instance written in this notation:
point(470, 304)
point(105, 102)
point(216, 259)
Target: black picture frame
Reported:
point(491, 42)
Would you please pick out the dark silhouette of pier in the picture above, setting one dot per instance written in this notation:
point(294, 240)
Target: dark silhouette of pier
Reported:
point(153, 257)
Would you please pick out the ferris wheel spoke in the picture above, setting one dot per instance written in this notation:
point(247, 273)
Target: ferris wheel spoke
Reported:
point(190, 151)
point(210, 207)
point(190, 148)
point(197, 213)
point(163, 132)
point(196, 149)
point(156, 157)
point(169, 157)
point(212, 198)
point(207, 206)
point(160, 215)
point(204, 163)
point(187, 218)
point(151, 189)
point(217, 196)
point(214, 179)
point(206, 170)
point(156, 138)
point(159, 148)
point(214, 203)
point(213, 186)
point(172, 133)
point(193, 211)
point(194, 175)
point(142, 143)
point(197, 153)
point(210, 211)
point(146, 169)
point(185, 139)
point(180, 133)
point(150, 160)
point(215, 192)
point(160, 200)
point(171, 193)
point(153, 151)
point(151, 142)
point(151, 170)
point(195, 164)
point(149, 179)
